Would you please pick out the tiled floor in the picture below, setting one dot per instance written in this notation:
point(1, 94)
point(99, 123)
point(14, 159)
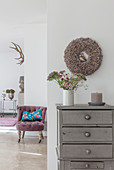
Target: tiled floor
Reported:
point(27, 155)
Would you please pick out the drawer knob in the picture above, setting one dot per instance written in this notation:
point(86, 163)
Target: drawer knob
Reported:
point(87, 134)
point(88, 151)
point(86, 165)
point(87, 117)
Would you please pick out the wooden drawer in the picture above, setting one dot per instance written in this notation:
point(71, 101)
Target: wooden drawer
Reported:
point(88, 117)
point(86, 134)
point(86, 165)
point(86, 151)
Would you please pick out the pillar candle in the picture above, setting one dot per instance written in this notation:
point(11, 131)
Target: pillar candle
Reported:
point(96, 98)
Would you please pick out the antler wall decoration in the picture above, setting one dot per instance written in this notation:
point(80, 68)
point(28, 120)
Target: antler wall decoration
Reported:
point(19, 50)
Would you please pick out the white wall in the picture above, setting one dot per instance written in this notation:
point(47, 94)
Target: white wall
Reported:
point(68, 20)
point(10, 71)
point(35, 44)
point(22, 12)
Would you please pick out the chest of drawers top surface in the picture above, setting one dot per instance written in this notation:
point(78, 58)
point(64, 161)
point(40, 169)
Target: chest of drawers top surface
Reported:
point(84, 107)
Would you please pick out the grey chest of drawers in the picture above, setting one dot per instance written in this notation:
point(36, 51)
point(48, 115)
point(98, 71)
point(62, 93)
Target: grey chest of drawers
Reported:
point(85, 137)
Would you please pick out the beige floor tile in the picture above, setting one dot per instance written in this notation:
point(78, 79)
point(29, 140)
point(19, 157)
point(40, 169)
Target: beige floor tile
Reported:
point(27, 155)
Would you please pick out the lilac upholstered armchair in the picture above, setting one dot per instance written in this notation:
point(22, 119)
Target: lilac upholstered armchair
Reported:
point(30, 125)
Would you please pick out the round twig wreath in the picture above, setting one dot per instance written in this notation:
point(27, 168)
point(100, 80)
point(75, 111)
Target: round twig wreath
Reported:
point(83, 55)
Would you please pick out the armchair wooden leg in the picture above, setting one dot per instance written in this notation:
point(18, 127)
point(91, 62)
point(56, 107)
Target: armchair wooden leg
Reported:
point(23, 134)
point(40, 136)
point(19, 136)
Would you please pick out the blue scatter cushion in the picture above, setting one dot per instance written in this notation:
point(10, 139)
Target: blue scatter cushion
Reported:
point(37, 115)
point(27, 116)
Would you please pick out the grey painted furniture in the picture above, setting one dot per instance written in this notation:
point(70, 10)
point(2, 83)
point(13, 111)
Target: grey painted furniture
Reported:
point(85, 137)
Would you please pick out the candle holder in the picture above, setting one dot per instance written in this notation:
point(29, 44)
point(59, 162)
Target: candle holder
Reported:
point(96, 99)
point(94, 104)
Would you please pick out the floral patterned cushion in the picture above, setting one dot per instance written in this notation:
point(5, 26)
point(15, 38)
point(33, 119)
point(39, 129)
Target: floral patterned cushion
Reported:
point(27, 116)
point(36, 115)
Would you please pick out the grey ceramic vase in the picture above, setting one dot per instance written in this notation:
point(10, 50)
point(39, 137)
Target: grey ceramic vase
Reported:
point(11, 96)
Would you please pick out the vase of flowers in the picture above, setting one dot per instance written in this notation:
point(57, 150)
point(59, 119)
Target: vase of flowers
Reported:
point(69, 83)
point(68, 97)
point(10, 93)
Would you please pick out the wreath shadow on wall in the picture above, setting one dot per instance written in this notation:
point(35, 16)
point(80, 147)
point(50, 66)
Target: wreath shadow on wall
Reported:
point(83, 55)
